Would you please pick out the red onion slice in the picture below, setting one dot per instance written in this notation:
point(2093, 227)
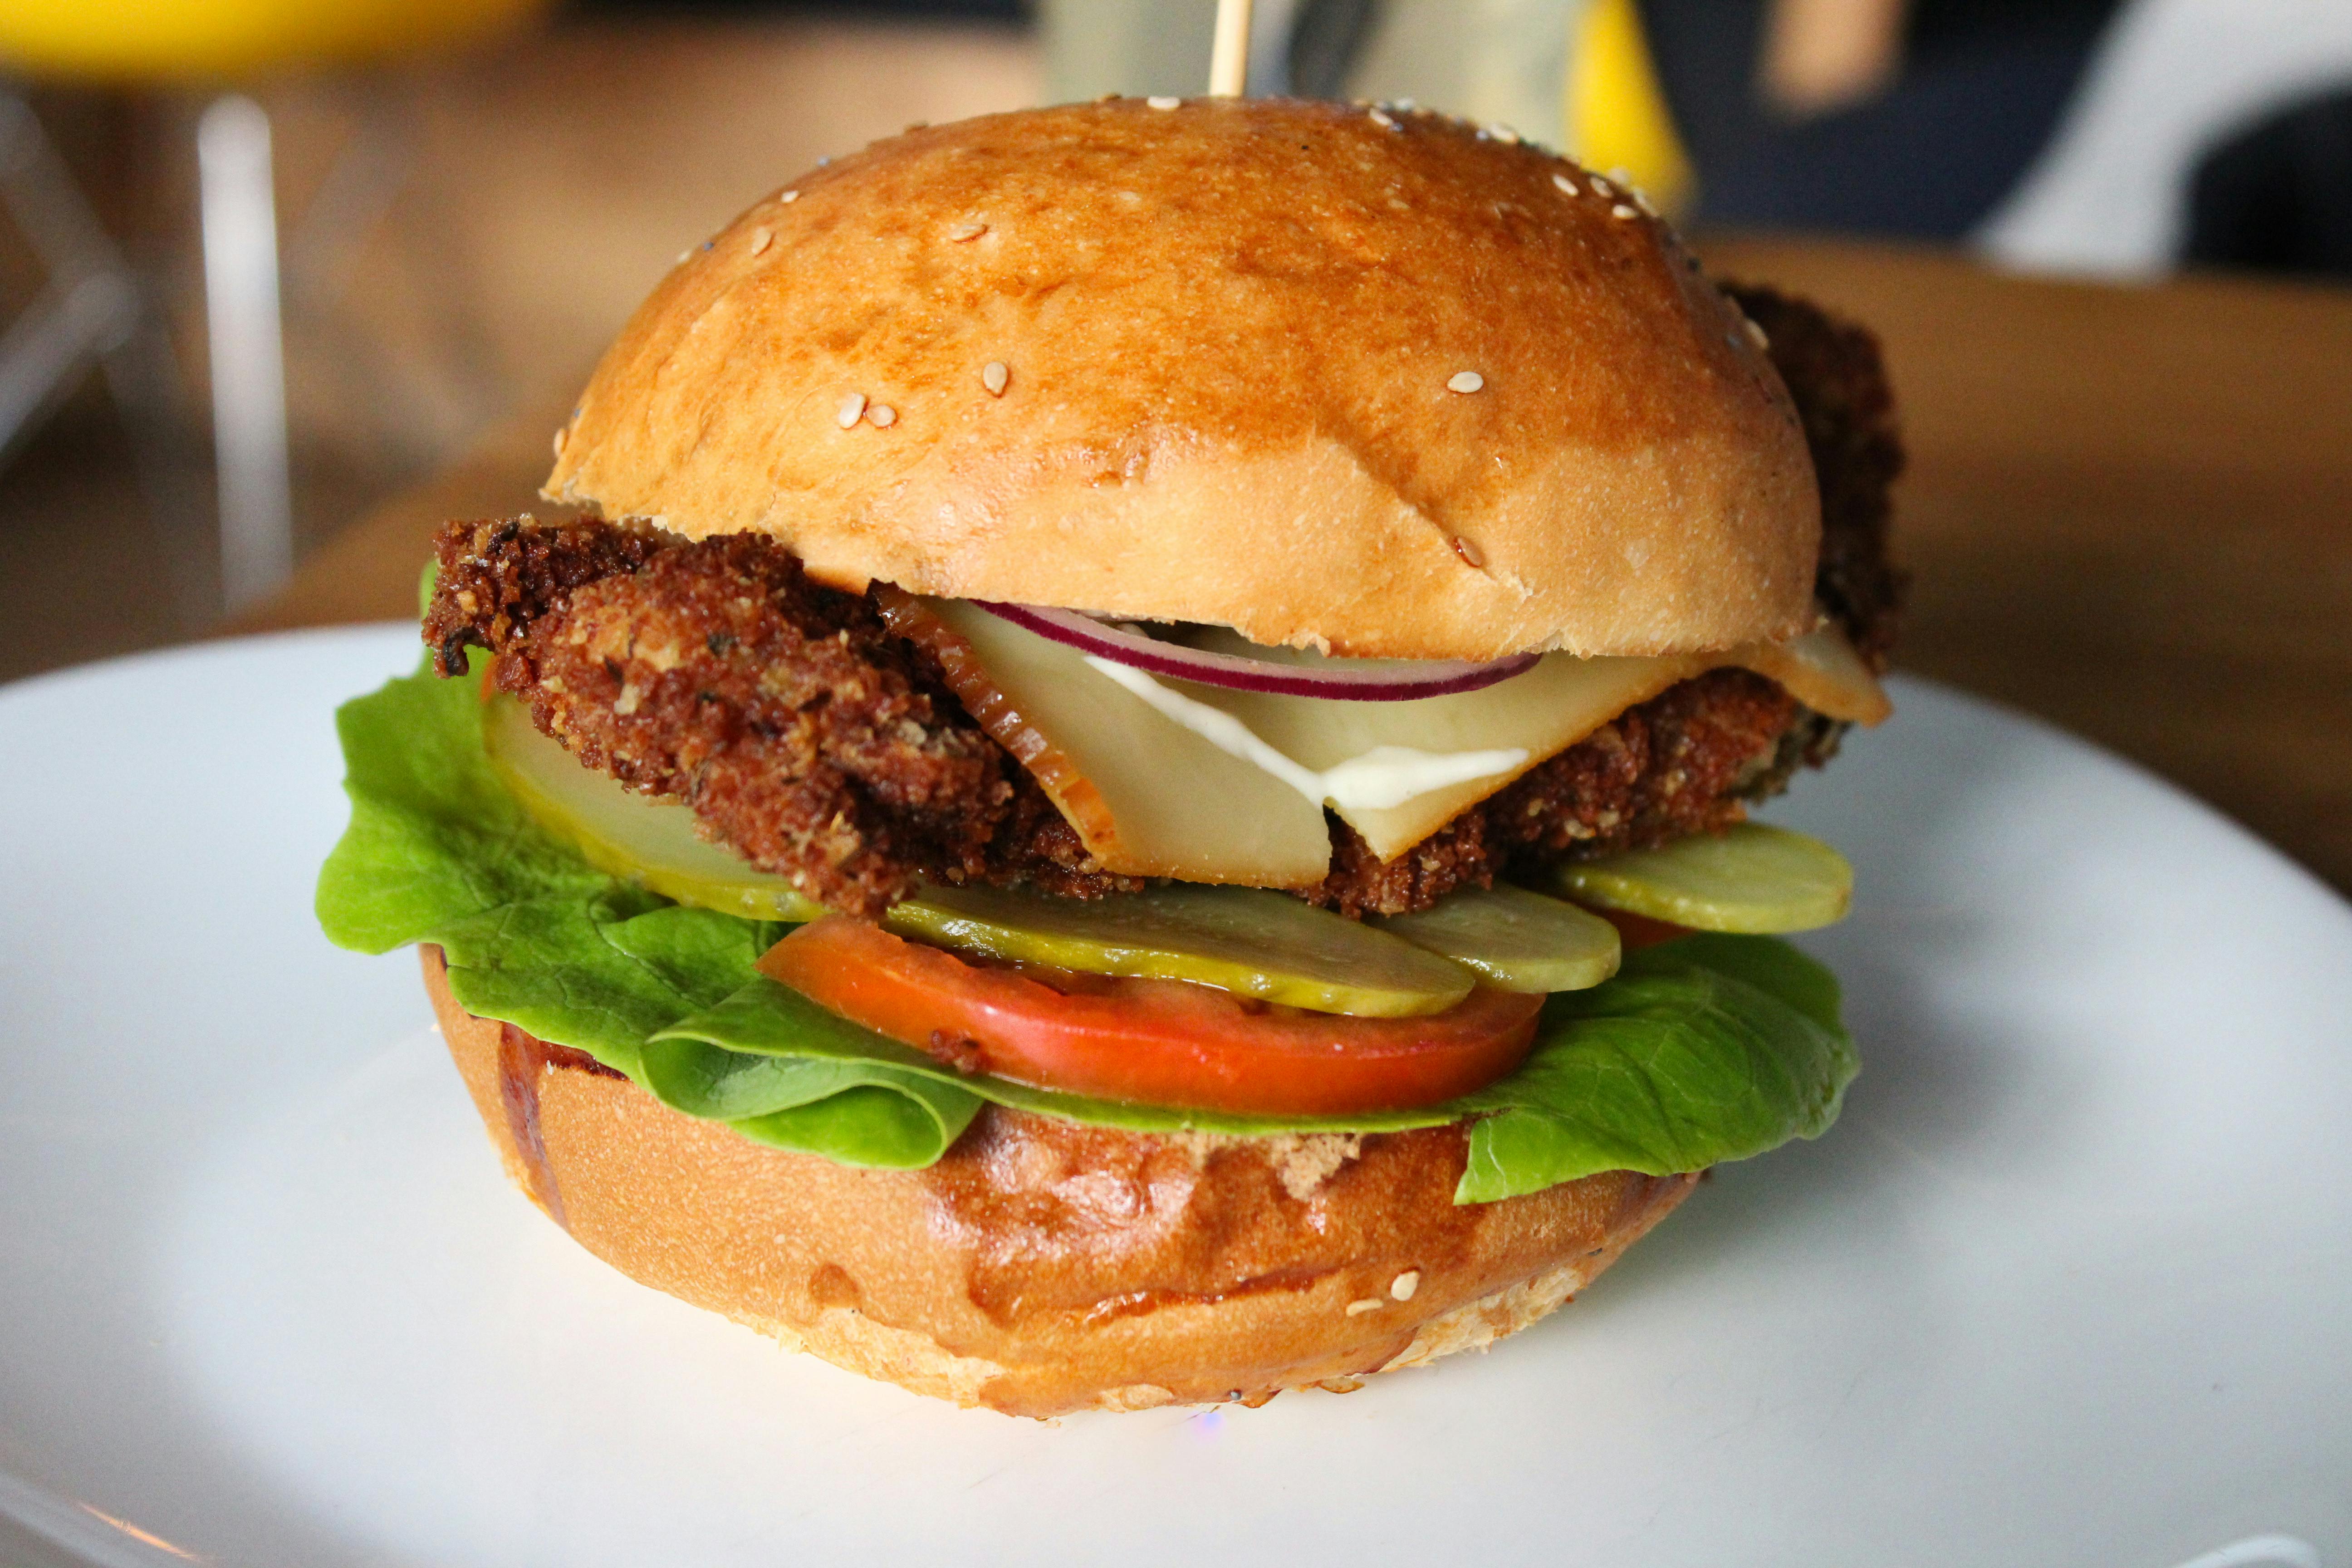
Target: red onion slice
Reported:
point(1348, 680)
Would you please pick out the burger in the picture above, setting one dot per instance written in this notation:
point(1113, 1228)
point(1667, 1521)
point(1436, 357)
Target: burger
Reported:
point(1125, 781)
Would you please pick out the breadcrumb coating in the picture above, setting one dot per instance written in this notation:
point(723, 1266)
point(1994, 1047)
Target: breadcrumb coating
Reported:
point(1837, 377)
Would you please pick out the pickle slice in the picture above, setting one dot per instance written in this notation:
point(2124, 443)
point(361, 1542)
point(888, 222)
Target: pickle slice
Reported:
point(1752, 878)
point(1247, 940)
point(1257, 942)
point(646, 839)
point(1515, 940)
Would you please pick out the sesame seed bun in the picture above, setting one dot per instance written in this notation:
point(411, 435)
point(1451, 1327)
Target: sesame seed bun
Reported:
point(1372, 382)
point(1041, 1267)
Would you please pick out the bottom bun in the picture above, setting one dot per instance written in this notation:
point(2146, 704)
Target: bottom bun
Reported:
point(1042, 1267)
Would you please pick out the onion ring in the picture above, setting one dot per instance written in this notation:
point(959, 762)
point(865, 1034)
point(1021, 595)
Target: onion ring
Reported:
point(1346, 681)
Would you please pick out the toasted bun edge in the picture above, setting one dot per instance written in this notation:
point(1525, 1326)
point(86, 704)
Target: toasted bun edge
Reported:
point(994, 1280)
point(1229, 339)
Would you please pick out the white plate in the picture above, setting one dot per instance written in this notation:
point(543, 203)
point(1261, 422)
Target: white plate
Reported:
point(2071, 1283)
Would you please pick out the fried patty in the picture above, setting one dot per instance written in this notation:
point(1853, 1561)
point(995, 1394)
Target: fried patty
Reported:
point(806, 736)
point(818, 745)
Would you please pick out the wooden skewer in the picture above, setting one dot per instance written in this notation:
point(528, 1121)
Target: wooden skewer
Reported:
point(1229, 64)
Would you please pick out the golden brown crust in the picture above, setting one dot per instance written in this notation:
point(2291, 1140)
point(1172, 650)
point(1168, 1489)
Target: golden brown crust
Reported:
point(1227, 332)
point(1042, 1267)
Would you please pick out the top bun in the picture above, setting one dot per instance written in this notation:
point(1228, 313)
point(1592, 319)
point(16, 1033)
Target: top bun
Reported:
point(1372, 382)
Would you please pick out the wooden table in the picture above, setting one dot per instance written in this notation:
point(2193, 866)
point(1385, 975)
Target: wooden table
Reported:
point(2129, 511)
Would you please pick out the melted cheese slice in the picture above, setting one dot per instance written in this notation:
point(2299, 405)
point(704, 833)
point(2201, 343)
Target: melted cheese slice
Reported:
point(1210, 784)
point(1821, 670)
point(1538, 714)
point(1541, 713)
point(1148, 796)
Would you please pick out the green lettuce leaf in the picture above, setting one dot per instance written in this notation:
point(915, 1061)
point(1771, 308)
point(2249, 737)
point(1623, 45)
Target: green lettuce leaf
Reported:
point(1672, 1067)
point(1705, 1049)
point(438, 852)
point(1702, 1050)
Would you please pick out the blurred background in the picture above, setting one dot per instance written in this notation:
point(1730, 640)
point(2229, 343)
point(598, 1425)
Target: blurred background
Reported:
point(266, 265)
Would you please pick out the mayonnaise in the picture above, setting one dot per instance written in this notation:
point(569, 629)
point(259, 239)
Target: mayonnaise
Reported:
point(1384, 777)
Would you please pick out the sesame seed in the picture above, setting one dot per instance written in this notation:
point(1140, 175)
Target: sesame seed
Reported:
point(1503, 134)
point(995, 375)
point(852, 410)
point(1408, 106)
point(681, 258)
point(1381, 117)
point(1621, 210)
point(1567, 186)
point(1603, 186)
point(881, 416)
point(562, 434)
point(760, 239)
point(969, 229)
point(825, 162)
point(1756, 335)
point(1405, 1284)
point(1465, 381)
point(1469, 553)
point(1164, 102)
point(788, 198)
point(1369, 1304)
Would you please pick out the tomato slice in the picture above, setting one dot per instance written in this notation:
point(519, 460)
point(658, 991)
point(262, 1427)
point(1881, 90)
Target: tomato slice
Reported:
point(1164, 1042)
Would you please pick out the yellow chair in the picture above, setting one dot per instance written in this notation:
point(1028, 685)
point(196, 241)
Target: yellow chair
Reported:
point(1614, 110)
point(94, 309)
point(149, 41)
